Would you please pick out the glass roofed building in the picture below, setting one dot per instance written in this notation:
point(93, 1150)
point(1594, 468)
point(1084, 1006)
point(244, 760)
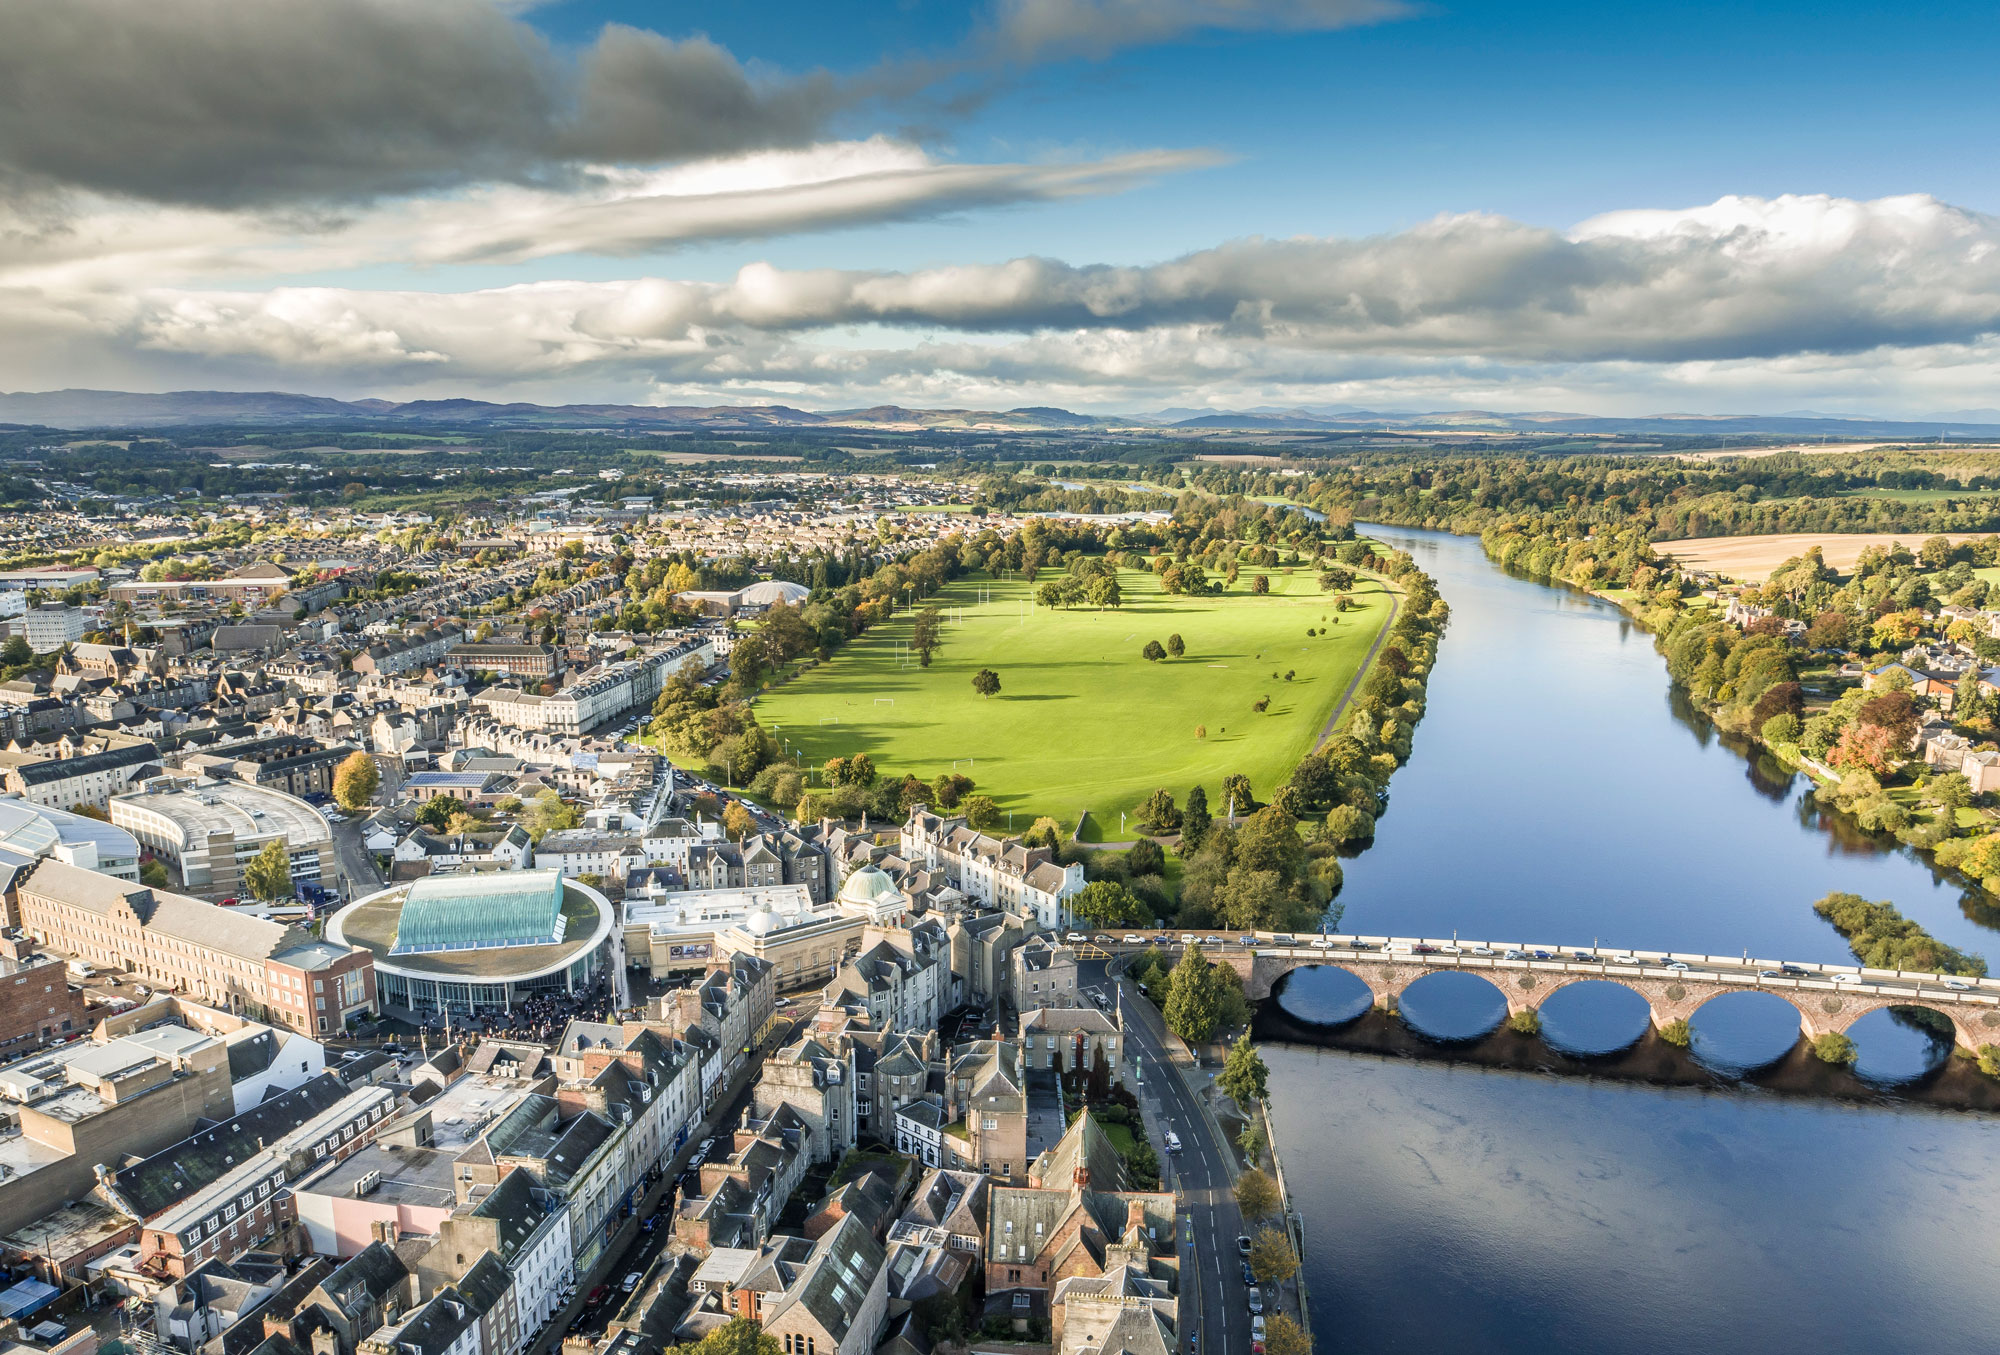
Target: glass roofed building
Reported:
point(473, 943)
point(471, 912)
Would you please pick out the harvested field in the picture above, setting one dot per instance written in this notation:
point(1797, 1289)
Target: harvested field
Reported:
point(1752, 558)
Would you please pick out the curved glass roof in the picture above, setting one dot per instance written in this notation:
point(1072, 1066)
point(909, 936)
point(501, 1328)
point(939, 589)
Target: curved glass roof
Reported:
point(481, 912)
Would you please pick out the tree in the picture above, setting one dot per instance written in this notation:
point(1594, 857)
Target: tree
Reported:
point(1282, 1336)
point(16, 651)
point(1104, 591)
point(1835, 1048)
point(1106, 903)
point(1260, 585)
point(269, 874)
point(355, 782)
point(1271, 1257)
point(1158, 812)
point(1175, 647)
point(739, 1336)
point(1194, 819)
point(1236, 796)
point(980, 811)
point(986, 682)
point(926, 634)
point(1950, 792)
point(1191, 997)
point(737, 821)
point(1243, 1077)
point(1830, 630)
point(1336, 580)
point(548, 814)
point(435, 813)
point(1153, 652)
point(1256, 1194)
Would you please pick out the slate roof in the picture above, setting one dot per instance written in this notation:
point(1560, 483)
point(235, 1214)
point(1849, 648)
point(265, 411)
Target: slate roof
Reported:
point(156, 1184)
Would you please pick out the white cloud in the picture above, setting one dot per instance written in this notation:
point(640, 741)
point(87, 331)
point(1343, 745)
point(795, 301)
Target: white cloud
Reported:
point(1040, 29)
point(1738, 303)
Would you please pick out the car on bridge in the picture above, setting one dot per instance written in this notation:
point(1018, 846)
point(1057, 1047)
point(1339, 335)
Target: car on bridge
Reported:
point(1958, 985)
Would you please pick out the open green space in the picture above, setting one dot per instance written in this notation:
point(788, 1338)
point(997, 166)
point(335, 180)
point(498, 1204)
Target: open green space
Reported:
point(1082, 721)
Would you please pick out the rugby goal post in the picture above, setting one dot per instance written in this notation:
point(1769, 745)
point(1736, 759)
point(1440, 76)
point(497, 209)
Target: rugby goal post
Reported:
point(885, 700)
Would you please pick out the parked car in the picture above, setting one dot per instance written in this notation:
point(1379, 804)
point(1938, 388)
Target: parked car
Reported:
point(1256, 1302)
point(1243, 1245)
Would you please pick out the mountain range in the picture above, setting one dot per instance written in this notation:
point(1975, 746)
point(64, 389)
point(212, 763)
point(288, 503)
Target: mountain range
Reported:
point(85, 409)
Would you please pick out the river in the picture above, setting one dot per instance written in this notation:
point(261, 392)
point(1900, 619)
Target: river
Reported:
point(1561, 793)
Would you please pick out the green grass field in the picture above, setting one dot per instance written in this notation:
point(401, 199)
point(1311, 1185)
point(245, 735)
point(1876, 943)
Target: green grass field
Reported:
point(1083, 722)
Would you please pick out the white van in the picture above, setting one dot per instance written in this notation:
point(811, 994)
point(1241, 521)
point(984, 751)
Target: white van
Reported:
point(79, 970)
point(1173, 1142)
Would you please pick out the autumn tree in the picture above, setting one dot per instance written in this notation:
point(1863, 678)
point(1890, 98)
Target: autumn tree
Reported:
point(737, 821)
point(1256, 1194)
point(926, 634)
point(1271, 1257)
point(1282, 1336)
point(355, 782)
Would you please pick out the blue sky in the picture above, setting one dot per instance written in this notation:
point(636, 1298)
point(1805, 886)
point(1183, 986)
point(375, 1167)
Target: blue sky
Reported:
point(1821, 178)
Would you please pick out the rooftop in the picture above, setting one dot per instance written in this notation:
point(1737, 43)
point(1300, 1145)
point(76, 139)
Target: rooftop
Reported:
point(234, 807)
point(419, 1177)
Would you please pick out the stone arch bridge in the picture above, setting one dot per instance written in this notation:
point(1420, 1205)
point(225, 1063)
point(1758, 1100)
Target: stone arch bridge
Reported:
point(1828, 998)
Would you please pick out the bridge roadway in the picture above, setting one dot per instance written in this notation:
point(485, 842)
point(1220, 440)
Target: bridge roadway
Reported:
point(1828, 998)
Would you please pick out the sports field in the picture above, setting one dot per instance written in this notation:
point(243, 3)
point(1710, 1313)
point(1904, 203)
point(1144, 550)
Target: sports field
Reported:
point(1082, 722)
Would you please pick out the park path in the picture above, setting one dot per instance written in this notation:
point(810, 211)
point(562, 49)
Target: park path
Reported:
point(1368, 663)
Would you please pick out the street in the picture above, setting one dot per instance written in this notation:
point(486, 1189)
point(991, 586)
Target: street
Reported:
point(1203, 1172)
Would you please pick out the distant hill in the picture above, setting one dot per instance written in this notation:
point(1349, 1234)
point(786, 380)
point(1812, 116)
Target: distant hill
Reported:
point(76, 409)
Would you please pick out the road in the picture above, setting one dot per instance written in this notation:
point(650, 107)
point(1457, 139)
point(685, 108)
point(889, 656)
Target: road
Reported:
point(1203, 1173)
point(355, 867)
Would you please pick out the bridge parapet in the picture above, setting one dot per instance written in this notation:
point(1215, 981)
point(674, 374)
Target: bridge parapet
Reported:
point(1827, 998)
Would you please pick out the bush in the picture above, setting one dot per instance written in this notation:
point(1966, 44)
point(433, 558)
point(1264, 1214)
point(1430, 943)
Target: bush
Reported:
point(1677, 1033)
point(1835, 1048)
point(1527, 1021)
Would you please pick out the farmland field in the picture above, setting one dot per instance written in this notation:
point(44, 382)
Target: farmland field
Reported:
point(1082, 721)
point(1752, 558)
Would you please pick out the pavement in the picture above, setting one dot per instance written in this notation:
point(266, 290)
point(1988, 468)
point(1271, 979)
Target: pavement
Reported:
point(1203, 1173)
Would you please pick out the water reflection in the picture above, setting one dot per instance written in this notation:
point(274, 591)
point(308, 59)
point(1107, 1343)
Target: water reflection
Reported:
point(1452, 1004)
point(1593, 1018)
point(1738, 1032)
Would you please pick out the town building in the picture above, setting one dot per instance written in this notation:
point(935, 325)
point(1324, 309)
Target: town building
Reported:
point(225, 957)
point(210, 831)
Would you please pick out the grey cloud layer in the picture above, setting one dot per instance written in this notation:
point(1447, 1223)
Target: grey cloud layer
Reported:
point(1792, 284)
point(270, 101)
point(1036, 29)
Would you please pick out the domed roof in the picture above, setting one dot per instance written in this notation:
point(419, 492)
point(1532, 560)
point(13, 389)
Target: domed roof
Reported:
point(869, 887)
point(773, 591)
point(762, 922)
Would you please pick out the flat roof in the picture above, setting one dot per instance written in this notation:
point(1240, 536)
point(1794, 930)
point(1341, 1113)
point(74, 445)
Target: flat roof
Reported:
point(235, 807)
point(411, 1176)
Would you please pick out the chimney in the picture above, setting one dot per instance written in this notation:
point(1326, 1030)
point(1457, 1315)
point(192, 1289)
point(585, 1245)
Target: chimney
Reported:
point(1080, 1176)
point(1135, 1219)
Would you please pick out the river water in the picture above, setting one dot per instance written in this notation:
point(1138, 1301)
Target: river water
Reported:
point(1560, 793)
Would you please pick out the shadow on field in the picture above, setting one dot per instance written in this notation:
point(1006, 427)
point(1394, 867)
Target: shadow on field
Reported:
point(1040, 696)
